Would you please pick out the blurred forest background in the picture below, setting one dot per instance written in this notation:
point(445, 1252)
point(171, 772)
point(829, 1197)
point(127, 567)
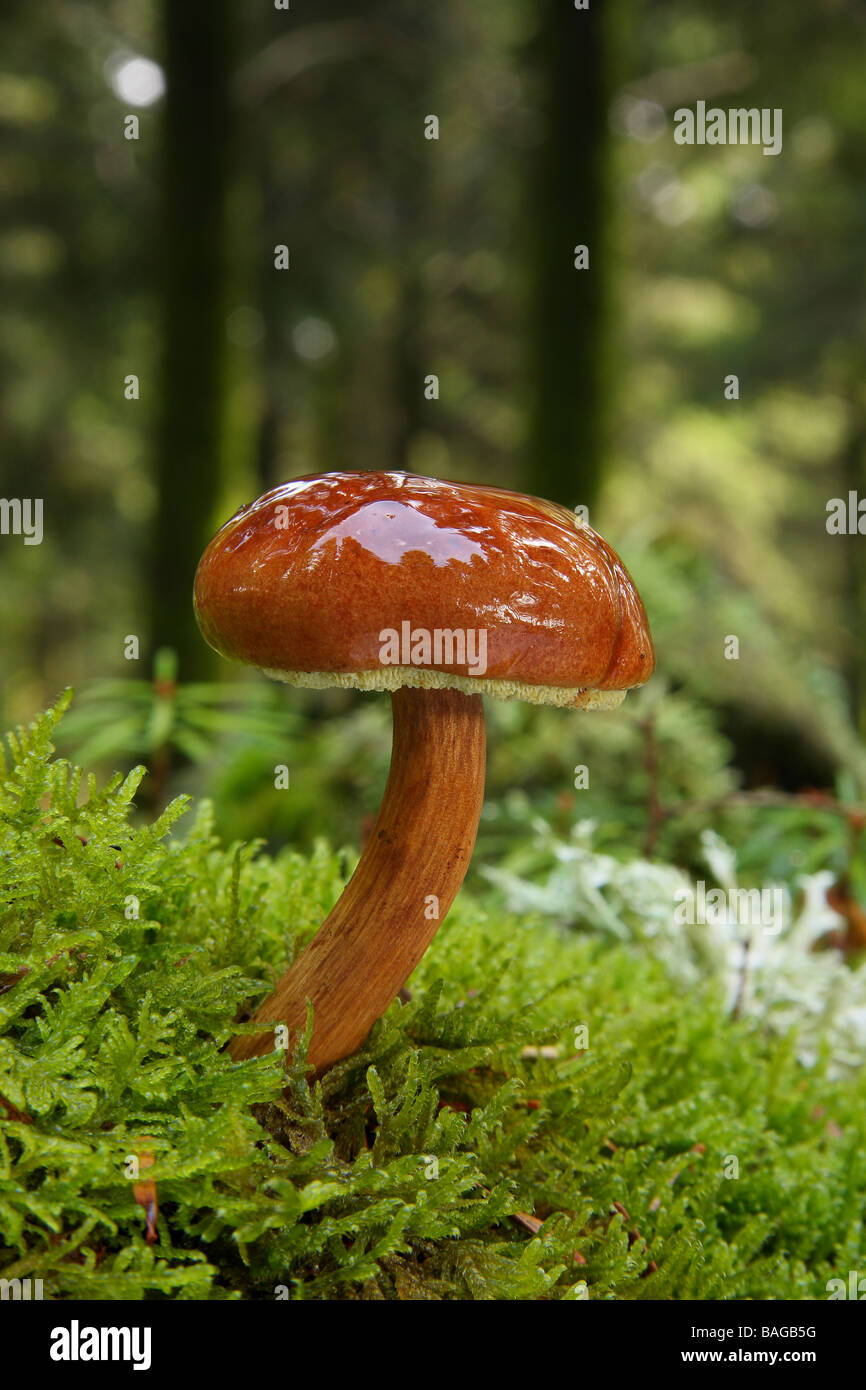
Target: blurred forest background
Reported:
point(605, 387)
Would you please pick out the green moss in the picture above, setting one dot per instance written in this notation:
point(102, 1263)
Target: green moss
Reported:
point(420, 1166)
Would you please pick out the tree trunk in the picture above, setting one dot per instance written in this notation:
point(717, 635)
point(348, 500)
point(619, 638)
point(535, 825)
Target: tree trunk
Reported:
point(566, 210)
point(195, 160)
point(855, 575)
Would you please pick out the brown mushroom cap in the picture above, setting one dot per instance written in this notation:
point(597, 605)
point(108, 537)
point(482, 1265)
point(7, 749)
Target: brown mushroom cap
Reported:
point(305, 582)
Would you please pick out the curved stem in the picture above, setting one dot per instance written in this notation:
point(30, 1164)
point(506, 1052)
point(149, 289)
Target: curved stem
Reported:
point(408, 876)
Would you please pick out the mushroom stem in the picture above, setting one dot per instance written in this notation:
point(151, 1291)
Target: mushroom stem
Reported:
point(408, 876)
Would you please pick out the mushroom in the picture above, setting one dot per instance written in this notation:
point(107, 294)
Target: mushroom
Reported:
point(440, 593)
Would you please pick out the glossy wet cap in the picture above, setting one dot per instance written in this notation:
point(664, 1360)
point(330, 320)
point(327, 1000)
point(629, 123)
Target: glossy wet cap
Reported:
point(379, 580)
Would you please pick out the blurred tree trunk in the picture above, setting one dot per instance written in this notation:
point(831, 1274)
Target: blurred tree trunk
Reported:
point(419, 49)
point(195, 161)
point(273, 373)
point(409, 364)
point(565, 205)
point(855, 570)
